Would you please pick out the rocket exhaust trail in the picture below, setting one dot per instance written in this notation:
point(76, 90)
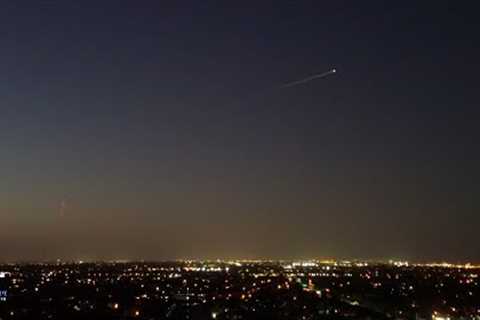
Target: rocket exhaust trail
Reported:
point(269, 91)
point(308, 79)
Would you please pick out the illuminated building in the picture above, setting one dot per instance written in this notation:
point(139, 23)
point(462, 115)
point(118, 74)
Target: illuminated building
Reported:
point(3, 286)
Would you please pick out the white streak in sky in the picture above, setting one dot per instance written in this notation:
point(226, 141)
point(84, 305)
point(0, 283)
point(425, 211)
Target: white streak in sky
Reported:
point(305, 80)
point(63, 207)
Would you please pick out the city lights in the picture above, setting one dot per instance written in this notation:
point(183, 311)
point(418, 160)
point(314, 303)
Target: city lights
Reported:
point(218, 286)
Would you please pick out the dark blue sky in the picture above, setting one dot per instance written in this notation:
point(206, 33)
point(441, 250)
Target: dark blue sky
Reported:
point(164, 131)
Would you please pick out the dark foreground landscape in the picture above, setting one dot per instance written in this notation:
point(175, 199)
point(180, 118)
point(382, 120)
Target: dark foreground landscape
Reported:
point(239, 290)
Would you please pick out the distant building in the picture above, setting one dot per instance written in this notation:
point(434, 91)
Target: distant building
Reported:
point(3, 286)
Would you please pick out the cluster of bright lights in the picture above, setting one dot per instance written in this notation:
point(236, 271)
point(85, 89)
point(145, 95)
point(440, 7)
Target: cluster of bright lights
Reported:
point(449, 265)
point(399, 263)
point(437, 316)
point(208, 282)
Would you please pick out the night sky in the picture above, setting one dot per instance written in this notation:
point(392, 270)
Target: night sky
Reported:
point(160, 130)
